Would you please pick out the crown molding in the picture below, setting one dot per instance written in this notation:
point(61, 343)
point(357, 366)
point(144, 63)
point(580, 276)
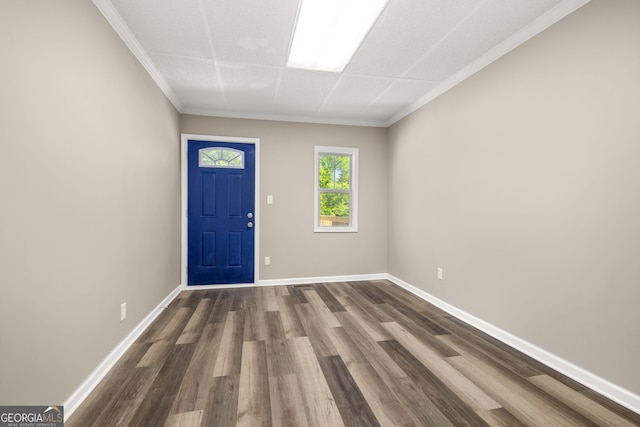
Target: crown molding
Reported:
point(122, 29)
point(542, 23)
point(283, 118)
point(536, 27)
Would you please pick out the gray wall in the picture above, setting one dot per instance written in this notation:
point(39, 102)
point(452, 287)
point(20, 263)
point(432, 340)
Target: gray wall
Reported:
point(523, 183)
point(286, 172)
point(89, 187)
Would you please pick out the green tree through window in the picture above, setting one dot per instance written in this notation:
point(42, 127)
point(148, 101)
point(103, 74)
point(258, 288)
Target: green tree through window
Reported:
point(336, 189)
point(335, 185)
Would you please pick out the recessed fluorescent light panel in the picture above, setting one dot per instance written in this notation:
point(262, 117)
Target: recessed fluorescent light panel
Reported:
point(328, 32)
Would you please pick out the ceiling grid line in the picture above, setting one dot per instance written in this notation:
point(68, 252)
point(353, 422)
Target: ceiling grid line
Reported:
point(451, 31)
point(415, 51)
point(218, 77)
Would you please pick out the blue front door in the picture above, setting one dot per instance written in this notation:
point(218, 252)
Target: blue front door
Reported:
point(220, 215)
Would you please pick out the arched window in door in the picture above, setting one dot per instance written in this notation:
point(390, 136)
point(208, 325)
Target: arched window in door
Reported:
point(220, 158)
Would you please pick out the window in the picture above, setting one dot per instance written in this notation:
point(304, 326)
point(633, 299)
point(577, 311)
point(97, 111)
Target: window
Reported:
point(214, 157)
point(336, 189)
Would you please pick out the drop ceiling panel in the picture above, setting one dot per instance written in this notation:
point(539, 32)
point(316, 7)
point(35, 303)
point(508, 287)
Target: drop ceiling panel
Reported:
point(248, 87)
point(491, 24)
point(405, 31)
point(167, 26)
point(251, 32)
point(403, 92)
point(303, 91)
point(400, 94)
point(227, 57)
point(353, 93)
point(184, 73)
point(204, 102)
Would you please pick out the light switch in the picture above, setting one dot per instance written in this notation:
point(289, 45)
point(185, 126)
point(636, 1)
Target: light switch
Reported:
point(269, 199)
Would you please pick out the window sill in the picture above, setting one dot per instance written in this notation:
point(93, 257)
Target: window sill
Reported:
point(335, 230)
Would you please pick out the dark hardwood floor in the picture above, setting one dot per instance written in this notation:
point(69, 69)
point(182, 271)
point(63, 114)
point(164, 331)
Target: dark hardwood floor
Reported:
point(353, 354)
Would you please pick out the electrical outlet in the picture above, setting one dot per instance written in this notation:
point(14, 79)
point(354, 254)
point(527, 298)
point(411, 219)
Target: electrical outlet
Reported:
point(123, 311)
point(267, 260)
point(440, 273)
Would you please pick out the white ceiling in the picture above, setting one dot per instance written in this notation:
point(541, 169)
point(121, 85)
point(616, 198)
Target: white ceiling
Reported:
point(227, 57)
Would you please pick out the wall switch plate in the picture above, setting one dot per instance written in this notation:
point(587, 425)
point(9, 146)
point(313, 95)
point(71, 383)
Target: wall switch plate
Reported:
point(123, 311)
point(269, 199)
point(267, 260)
point(440, 273)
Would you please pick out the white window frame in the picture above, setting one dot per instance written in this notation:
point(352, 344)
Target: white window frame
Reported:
point(353, 209)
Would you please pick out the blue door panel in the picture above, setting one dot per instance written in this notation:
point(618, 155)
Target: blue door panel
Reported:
point(220, 238)
point(235, 249)
point(235, 188)
point(209, 249)
point(208, 194)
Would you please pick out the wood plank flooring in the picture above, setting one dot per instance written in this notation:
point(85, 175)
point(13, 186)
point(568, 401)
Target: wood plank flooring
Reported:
point(338, 354)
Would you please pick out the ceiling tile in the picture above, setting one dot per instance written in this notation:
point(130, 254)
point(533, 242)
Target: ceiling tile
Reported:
point(303, 91)
point(184, 73)
point(491, 24)
point(203, 102)
point(167, 26)
point(401, 93)
point(248, 87)
point(251, 32)
point(193, 80)
point(227, 57)
point(396, 97)
point(404, 32)
point(353, 93)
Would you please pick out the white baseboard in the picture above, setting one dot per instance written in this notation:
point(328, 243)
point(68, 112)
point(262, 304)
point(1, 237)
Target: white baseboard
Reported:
point(612, 391)
point(325, 279)
point(81, 393)
point(292, 281)
point(222, 286)
point(606, 388)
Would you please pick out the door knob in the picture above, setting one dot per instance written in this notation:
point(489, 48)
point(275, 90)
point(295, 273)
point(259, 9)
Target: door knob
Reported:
point(250, 224)
point(249, 215)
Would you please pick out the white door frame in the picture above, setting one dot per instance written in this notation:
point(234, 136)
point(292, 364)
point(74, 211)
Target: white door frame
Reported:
point(185, 137)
